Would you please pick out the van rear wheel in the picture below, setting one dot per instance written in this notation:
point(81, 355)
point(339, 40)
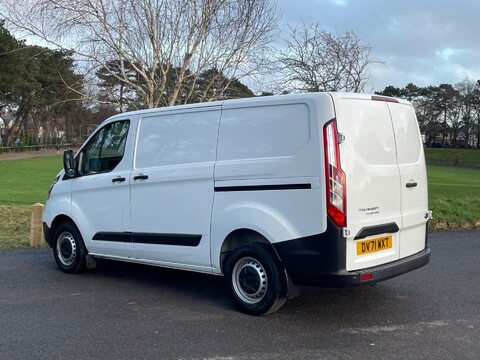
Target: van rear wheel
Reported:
point(256, 279)
point(68, 248)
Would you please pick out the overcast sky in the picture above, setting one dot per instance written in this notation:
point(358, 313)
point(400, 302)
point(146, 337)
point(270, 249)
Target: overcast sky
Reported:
point(426, 42)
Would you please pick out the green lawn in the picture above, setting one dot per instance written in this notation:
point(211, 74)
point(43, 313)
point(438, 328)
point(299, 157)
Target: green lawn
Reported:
point(26, 181)
point(454, 194)
point(453, 182)
point(22, 184)
point(453, 157)
point(15, 226)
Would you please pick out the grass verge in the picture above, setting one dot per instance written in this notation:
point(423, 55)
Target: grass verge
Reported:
point(14, 226)
point(453, 157)
point(26, 181)
point(22, 184)
point(454, 197)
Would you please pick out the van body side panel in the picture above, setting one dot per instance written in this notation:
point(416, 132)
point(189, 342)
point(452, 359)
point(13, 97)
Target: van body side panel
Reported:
point(369, 159)
point(413, 178)
point(274, 214)
point(269, 170)
point(265, 142)
point(172, 187)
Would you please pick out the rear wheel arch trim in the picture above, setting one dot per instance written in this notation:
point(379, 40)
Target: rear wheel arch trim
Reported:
point(240, 237)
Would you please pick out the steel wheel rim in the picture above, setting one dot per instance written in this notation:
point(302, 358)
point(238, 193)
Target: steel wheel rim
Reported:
point(249, 280)
point(66, 248)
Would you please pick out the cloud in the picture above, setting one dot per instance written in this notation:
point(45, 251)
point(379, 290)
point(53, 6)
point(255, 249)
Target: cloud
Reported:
point(341, 3)
point(424, 42)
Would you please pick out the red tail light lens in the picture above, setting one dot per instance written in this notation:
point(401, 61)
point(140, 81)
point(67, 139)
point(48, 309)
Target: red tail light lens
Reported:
point(334, 176)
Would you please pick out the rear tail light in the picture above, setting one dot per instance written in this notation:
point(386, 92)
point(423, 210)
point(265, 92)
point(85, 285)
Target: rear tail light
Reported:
point(335, 177)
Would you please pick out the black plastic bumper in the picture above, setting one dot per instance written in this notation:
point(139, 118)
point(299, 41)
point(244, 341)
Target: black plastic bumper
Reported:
point(344, 279)
point(47, 234)
point(320, 260)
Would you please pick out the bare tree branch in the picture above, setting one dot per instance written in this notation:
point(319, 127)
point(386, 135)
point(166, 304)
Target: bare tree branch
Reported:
point(152, 37)
point(316, 60)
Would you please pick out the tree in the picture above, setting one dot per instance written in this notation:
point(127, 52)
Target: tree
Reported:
point(37, 85)
point(469, 93)
point(445, 109)
point(113, 91)
point(476, 107)
point(212, 84)
point(316, 60)
point(152, 37)
point(391, 91)
point(8, 62)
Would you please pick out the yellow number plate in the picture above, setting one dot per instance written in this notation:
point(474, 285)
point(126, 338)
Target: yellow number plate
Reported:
point(373, 245)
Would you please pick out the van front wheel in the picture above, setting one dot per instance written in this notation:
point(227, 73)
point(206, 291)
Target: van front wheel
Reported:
point(68, 248)
point(256, 279)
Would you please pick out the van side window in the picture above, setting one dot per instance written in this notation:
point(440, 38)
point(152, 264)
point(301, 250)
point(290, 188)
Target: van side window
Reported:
point(105, 150)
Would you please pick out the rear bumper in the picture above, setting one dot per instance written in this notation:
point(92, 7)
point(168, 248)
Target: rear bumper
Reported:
point(345, 279)
point(319, 260)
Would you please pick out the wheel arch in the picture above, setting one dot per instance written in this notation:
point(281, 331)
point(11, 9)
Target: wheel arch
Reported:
point(240, 237)
point(60, 219)
point(57, 221)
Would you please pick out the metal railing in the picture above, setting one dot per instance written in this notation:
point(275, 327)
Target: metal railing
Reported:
point(23, 148)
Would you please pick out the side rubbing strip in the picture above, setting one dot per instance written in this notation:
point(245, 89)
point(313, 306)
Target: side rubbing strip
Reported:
point(156, 239)
point(376, 230)
point(167, 239)
point(263, 187)
point(112, 236)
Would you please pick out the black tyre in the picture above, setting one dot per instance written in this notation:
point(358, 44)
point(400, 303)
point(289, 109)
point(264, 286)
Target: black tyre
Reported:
point(68, 248)
point(256, 279)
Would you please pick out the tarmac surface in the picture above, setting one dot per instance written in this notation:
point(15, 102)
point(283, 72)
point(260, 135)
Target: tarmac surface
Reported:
point(127, 311)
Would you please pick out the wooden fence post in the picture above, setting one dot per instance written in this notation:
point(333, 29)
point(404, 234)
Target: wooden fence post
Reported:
point(36, 228)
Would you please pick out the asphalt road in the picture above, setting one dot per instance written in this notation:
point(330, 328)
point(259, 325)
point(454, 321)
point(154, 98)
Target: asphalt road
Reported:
point(126, 311)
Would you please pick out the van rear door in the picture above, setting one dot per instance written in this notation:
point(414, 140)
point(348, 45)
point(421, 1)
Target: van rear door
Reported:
point(413, 178)
point(386, 183)
point(373, 196)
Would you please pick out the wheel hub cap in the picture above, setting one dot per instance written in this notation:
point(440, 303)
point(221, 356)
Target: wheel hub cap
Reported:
point(249, 280)
point(66, 248)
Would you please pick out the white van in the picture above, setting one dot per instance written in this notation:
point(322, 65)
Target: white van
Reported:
point(321, 189)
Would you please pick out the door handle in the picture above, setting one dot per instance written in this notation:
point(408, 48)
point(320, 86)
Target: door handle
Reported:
point(411, 184)
point(118, 179)
point(140, 177)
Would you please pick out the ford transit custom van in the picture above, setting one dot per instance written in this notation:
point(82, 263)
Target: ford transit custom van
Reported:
point(319, 189)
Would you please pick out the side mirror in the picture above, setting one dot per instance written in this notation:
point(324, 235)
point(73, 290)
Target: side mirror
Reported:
point(69, 163)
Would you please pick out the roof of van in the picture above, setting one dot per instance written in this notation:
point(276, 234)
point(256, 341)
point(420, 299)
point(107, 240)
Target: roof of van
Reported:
point(263, 100)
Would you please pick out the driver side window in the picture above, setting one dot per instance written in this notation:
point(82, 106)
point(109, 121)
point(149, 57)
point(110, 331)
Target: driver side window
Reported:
point(105, 150)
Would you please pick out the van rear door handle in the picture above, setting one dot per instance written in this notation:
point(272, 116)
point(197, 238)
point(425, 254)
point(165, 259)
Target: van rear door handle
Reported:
point(118, 179)
point(140, 177)
point(411, 184)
